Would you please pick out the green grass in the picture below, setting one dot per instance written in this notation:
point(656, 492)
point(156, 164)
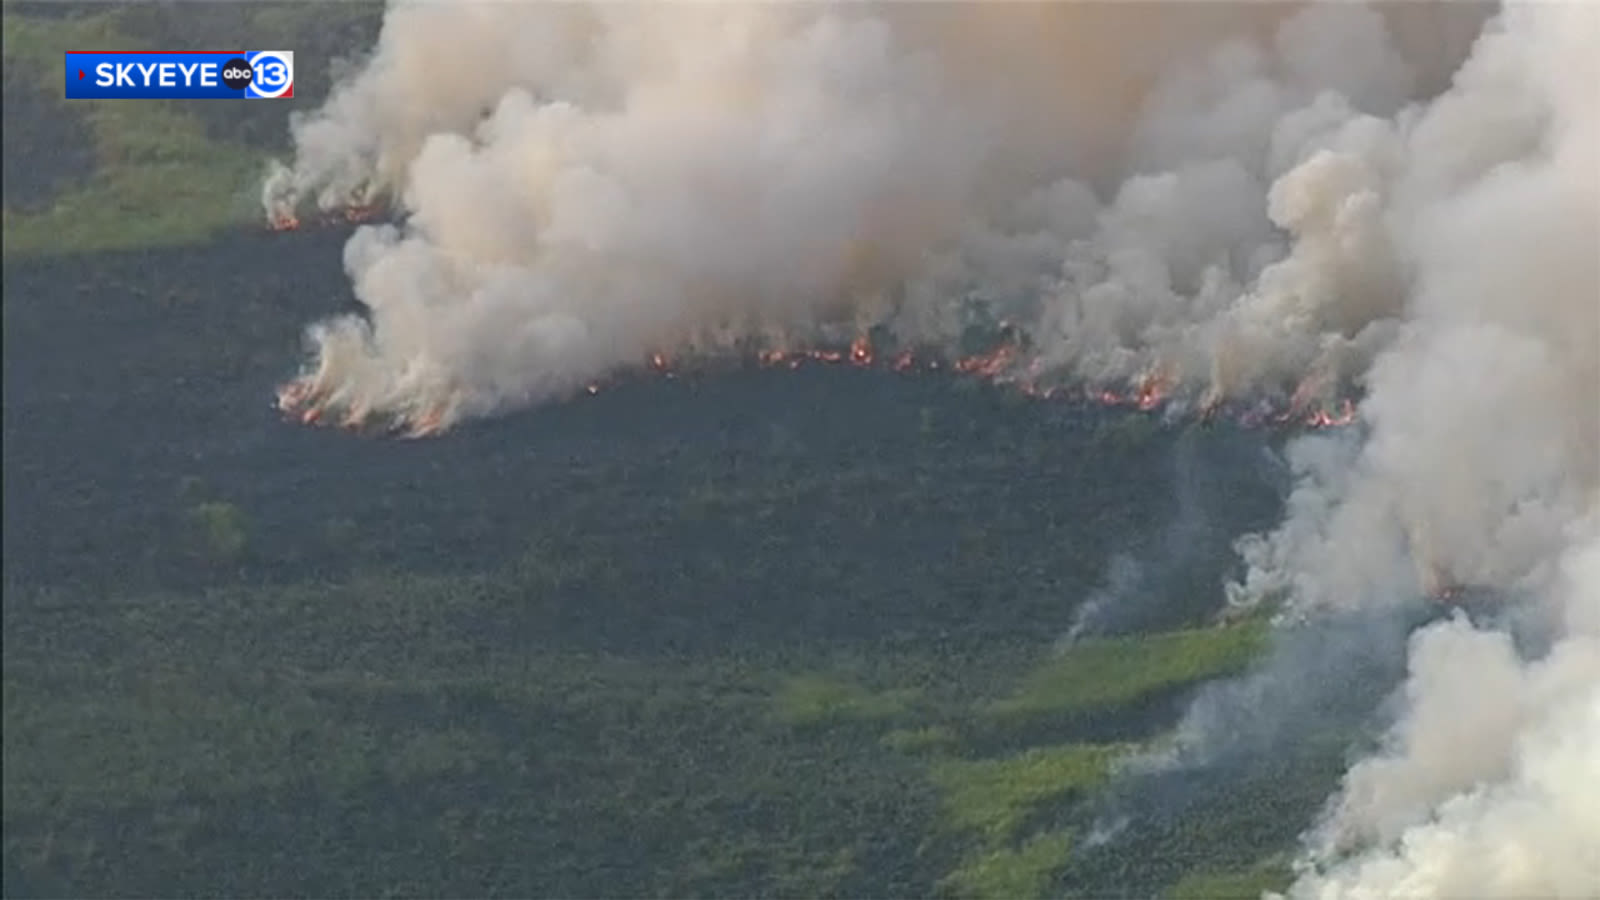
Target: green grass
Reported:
point(150, 738)
point(370, 685)
point(160, 181)
point(817, 699)
point(1269, 875)
point(41, 42)
point(992, 800)
point(994, 797)
point(928, 739)
point(1105, 674)
point(1012, 874)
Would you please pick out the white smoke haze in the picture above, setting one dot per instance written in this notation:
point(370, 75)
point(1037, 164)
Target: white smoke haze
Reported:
point(1236, 201)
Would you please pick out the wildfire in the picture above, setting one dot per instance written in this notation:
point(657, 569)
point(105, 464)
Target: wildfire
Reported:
point(307, 402)
point(988, 365)
point(1345, 415)
point(287, 220)
point(1152, 391)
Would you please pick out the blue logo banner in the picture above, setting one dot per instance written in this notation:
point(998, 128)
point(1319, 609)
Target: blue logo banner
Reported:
point(179, 74)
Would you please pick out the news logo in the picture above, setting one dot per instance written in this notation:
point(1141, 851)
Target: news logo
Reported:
point(179, 75)
point(272, 74)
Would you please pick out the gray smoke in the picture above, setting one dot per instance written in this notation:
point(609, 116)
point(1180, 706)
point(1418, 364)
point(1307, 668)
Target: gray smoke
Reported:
point(1165, 579)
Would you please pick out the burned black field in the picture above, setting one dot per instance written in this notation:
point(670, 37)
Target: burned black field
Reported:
point(752, 631)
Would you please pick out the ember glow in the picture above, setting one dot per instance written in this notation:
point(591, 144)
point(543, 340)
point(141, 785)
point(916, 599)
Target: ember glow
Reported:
point(310, 400)
point(306, 401)
point(357, 214)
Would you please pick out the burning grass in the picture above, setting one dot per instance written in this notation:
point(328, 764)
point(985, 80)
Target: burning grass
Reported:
point(314, 398)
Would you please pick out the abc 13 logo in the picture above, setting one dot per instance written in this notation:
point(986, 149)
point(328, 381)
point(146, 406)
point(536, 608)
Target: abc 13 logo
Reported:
point(261, 74)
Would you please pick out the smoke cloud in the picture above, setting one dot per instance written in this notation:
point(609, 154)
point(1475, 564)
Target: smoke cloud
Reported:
point(1186, 193)
point(1273, 202)
point(1479, 469)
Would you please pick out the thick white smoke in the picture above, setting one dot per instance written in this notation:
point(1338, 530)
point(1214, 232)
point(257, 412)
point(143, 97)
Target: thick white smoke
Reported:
point(1234, 201)
point(1184, 192)
point(1482, 468)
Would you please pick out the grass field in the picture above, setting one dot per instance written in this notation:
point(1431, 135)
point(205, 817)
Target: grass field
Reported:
point(165, 173)
point(136, 727)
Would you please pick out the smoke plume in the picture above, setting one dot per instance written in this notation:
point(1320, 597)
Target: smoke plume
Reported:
point(1261, 201)
point(1184, 193)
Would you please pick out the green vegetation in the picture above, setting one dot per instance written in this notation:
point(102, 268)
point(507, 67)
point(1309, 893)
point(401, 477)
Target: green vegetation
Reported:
point(1269, 875)
point(1107, 673)
point(926, 740)
point(221, 531)
point(993, 797)
point(1012, 874)
point(160, 179)
point(164, 173)
point(373, 695)
point(813, 699)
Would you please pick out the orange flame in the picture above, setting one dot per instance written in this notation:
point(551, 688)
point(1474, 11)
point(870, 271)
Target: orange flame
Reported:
point(988, 365)
point(356, 213)
point(1151, 392)
point(301, 399)
point(861, 352)
point(430, 424)
point(1322, 418)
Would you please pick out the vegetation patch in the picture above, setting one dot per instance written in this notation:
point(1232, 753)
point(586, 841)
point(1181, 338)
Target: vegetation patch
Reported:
point(159, 180)
point(51, 152)
point(817, 699)
point(994, 797)
point(1019, 873)
point(1271, 874)
point(1103, 674)
point(153, 738)
point(929, 739)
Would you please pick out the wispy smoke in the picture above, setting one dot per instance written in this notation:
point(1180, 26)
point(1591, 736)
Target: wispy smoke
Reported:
point(1267, 199)
point(1168, 579)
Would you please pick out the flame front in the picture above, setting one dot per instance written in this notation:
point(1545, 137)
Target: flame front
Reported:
point(1152, 392)
point(355, 213)
point(309, 401)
